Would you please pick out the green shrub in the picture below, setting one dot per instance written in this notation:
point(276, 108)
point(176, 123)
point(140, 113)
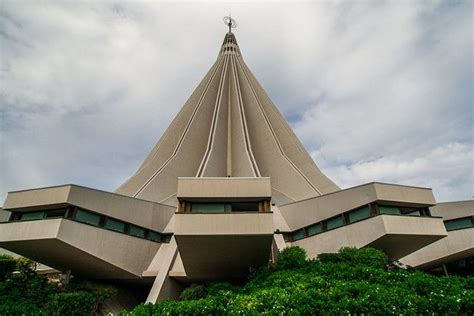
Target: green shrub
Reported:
point(290, 258)
point(27, 293)
point(19, 308)
point(7, 266)
point(221, 288)
point(193, 292)
point(73, 304)
point(353, 256)
point(349, 282)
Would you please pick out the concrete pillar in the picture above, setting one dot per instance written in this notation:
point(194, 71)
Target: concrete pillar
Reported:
point(164, 287)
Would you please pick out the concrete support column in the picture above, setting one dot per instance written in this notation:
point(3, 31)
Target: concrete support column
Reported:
point(164, 287)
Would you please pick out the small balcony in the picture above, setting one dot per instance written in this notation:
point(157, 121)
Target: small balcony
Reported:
point(215, 246)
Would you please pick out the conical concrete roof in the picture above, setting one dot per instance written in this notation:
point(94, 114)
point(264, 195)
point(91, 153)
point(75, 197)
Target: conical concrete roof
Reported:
point(229, 127)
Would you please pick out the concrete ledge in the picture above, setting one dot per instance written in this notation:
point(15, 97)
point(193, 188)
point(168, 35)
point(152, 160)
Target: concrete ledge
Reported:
point(452, 210)
point(301, 213)
point(225, 189)
point(140, 212)
point(459, 244)
point(222, 246)
point(223, 224)
point(85, 250)
point(397, 236)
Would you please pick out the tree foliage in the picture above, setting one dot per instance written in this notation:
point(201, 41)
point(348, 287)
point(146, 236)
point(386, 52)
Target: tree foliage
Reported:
point(24, 292)
point(353, 281)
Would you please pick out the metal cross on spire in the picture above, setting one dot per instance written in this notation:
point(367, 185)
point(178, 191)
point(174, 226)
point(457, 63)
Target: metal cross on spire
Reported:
point(230, 22)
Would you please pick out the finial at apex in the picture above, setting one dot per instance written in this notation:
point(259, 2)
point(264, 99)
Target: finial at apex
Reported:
point(230, 22)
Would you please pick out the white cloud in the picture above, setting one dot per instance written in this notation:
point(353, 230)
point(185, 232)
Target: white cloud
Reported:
point(87, 89)
point(449, 169)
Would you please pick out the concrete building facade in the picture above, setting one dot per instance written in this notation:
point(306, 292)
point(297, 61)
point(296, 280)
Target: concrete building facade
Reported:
point(226, 187)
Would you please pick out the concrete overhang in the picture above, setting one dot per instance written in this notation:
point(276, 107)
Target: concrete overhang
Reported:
point(223, 246)
point(453, 210)
point(396, 235)
point(85, 250)
point(143, 213)
point(301, 213)
point(458, 245)
point(224, 189)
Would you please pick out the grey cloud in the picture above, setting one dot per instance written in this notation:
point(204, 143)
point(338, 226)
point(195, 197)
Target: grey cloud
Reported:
point(371, 88)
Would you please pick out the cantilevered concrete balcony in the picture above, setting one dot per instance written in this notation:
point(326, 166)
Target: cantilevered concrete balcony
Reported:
point(84, 249)
point(396, 235)
point(459, 244)
point(393, 218)
point(93, 233)
point(131, 210)
point(225, 245)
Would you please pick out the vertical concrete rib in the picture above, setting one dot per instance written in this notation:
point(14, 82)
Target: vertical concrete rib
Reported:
point(164, 148)
point(178, 146)
point(229, 132)
point(267, 121)
point(214, 122)
point(290, 144)
point(248, 146)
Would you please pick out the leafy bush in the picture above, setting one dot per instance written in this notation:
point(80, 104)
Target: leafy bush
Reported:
point(7, 266)
point(73, 304)
point(349, 282)
point(193, 292)
point(290, 258)
point(365, 256)
point(27, 293)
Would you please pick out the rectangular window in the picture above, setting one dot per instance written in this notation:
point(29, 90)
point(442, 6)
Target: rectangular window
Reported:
point(55, 213)
point(165, 238)
point(244, 207)
point(137, 231)
point(208, 208)
point(115, 225)
point(359, 214)
point(389, 210)
point(299, 234)
point(315, 229)
point(87, 217)
point(286, 237)
point(334, 222)
point(458, 223)
point(32, 216)
point(413, 213)
point(154, 236)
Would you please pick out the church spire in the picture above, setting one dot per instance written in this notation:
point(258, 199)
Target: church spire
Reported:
point(230, 22)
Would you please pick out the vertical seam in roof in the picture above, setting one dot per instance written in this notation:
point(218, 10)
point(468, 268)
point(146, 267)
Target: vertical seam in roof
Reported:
point(273, 133)
point(248, 146)
point(215, 119)
point(178, 145)
point(155, 149)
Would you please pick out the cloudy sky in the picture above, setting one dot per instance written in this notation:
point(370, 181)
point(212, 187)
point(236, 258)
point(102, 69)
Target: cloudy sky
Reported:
point(377, 91)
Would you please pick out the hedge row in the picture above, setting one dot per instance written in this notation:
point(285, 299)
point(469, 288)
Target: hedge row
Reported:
point(352, 282)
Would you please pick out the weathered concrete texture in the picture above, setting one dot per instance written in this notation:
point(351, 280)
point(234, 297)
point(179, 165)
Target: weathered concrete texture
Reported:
point(457, 245)
point(139, 212)
point(223, 189)
point(86, 250)
point(223, 246)
point(301, 213)
point(395, 235)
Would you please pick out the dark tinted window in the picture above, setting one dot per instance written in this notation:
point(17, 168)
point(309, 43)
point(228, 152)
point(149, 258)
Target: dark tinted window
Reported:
point(87, 217)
